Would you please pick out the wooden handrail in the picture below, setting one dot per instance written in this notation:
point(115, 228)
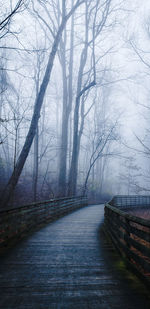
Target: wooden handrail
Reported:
point(131, 236)
point(130, 201)
point(130, 217)
point(42, 202)
point(16, 222)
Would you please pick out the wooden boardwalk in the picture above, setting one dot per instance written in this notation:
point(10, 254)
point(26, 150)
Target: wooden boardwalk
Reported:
point(68, 264)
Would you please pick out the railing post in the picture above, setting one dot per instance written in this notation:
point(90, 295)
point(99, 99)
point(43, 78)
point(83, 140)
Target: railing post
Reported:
point(127, 233)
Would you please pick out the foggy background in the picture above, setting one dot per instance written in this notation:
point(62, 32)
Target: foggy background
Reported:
point(93, 132)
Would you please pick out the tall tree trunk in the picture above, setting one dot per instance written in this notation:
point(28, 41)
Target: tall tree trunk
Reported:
point(36, 164)
point(72, 181)
point(74, 160)
point(76, 138)
point(65, 116)
point(63, 154)
point(67, 106)
point(97, 28)
point(36, 114)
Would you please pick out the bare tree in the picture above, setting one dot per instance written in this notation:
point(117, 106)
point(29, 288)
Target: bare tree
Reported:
point(142, 56)
point(67, 106)
point(7, 18)
point(84, 85)
point(101, 149)
point(36, 138)
point(37, 107)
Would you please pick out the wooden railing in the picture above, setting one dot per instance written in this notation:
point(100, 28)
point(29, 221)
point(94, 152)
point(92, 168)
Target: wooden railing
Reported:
point(128, 201)
point(16, 222)
point(131, 236)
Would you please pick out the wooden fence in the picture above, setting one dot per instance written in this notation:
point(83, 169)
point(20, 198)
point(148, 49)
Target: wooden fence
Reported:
point(16, 222)
point(131, 236)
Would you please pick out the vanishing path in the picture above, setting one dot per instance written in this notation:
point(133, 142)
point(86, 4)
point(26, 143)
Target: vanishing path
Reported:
point(68, 264)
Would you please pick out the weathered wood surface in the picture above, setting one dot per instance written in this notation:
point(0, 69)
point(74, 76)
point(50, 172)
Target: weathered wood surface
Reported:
point(14, 223)
point(68, 264)
point(131, 236)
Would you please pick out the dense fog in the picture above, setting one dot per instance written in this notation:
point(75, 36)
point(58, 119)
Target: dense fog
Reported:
point(74, 99)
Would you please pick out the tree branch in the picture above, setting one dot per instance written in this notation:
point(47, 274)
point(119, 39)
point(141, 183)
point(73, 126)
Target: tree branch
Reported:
point(4, 22)
point(93, 83)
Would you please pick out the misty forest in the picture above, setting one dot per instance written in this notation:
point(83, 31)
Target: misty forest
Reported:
point(74, 99)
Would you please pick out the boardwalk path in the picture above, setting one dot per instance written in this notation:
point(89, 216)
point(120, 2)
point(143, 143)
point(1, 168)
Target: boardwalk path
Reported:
point(67, 264)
